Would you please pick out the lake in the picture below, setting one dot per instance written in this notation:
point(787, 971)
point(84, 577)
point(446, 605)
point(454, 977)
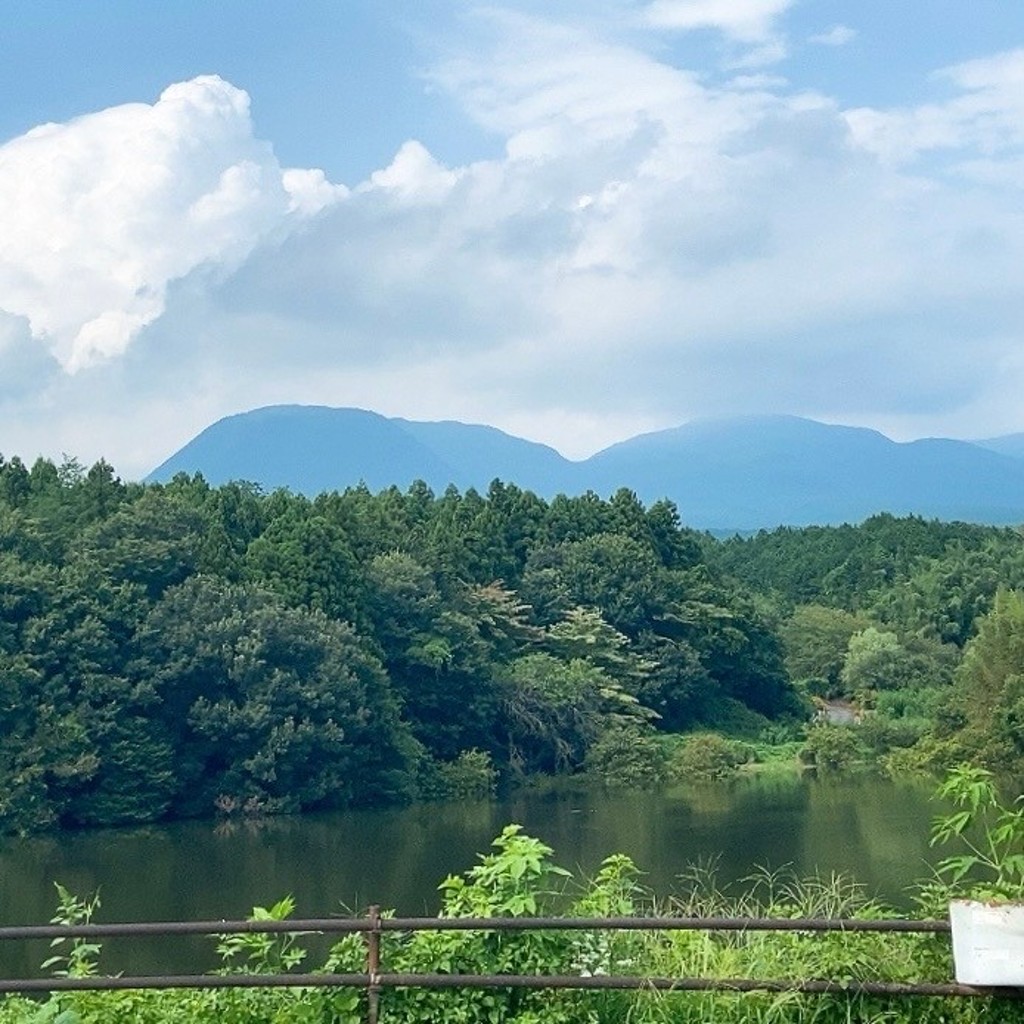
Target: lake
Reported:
point(873, 829)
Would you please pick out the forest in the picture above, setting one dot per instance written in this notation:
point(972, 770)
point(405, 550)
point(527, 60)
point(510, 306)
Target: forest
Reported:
point(180, 650)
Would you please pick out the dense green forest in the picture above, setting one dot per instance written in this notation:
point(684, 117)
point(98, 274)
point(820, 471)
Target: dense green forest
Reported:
point(182, 650)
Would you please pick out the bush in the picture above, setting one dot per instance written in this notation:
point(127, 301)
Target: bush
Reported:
point(471, 776)
point(880, 734)
point(708, 755)
point(628, 758)
point(832, 747)
point(929, 756)
point(518, 879)
point(734, 718)
point(818, 686)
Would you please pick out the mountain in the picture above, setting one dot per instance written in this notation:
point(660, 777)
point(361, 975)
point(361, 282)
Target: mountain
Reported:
point(310, 449)
point(758, 470)
point(1008, 444)
point(479, 454)
point(307, 449)
point(738, 473)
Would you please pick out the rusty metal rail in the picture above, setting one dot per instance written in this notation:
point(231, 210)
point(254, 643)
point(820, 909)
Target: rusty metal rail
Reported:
point(374, 980)
point(375, 922)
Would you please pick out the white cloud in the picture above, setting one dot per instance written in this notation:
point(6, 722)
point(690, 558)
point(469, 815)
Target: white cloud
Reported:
point(985, 116)
point(837, 35)
point(748, 21)
point(414, 175)
point(309, 191)
point(668, 248)
point(98, 215)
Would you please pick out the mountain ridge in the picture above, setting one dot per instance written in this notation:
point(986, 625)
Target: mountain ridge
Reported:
point(745, 472)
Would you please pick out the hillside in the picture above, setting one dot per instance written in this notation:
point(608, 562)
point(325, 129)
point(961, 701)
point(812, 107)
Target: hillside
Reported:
point(768, 470)
point(1008, 444)
point(740, 473)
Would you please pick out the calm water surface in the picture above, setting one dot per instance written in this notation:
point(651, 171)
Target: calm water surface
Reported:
point(872, 829)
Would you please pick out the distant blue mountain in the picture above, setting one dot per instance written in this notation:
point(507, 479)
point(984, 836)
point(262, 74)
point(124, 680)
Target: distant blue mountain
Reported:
point(740, 473)
point(1009, 444)
point(766, 470)
point(480, 454)
point(310, 449)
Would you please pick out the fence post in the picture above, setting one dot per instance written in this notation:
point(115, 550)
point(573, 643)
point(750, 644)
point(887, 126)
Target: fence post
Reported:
point(373, 964)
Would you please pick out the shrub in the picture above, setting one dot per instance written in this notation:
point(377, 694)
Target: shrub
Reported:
point(708, 755)
point(518, 879)
point(832, 747)
point(471, 775)
point(628, 758)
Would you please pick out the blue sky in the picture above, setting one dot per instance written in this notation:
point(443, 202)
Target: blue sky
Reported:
point(575, 221)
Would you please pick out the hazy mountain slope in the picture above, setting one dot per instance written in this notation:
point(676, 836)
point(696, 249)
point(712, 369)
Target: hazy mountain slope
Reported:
point(307, 449)
point(740, 473)
point(758, 470)
point(747, 471)
point(314, 448)
point(1008, 444)
point(480, 454)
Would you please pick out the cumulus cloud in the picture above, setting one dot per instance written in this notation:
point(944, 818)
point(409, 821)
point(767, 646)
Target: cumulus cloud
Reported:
point(414, 175)
point(670, 247)
point(101, 213)
point(309, 191)
point(24, 367)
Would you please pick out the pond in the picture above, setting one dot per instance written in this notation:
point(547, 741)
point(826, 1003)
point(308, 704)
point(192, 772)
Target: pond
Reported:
point(872, 829)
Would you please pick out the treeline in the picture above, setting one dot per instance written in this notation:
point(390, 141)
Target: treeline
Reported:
point(169, 650)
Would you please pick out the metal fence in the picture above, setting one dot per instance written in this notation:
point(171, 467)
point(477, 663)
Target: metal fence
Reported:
point(373, 980)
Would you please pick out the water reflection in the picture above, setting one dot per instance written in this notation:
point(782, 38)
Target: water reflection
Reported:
point(872, 829)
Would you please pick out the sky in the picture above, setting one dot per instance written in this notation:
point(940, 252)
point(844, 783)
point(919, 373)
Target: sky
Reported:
point(575, 220)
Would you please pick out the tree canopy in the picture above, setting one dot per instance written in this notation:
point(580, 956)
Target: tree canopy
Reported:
point(170, 650)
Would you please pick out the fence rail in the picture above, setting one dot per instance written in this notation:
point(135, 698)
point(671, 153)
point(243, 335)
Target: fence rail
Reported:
point(372, 923)
point(374, 980)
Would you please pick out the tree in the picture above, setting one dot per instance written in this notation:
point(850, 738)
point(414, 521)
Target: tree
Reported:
point(877, 661)
point(815, 639)
point(234, 518)
point(15, 483)
point(152, 542)
point(307, 561)
point(741, 651)
point(943, 597)
point(265, 703)
point(554, 711)
point(990, 684)
point(676, 547)
point(678, 687)
point(585, 635)
point(447, 676)
point(614, 574)
point(832, 746)
point(874, 661)
point(402, 602)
